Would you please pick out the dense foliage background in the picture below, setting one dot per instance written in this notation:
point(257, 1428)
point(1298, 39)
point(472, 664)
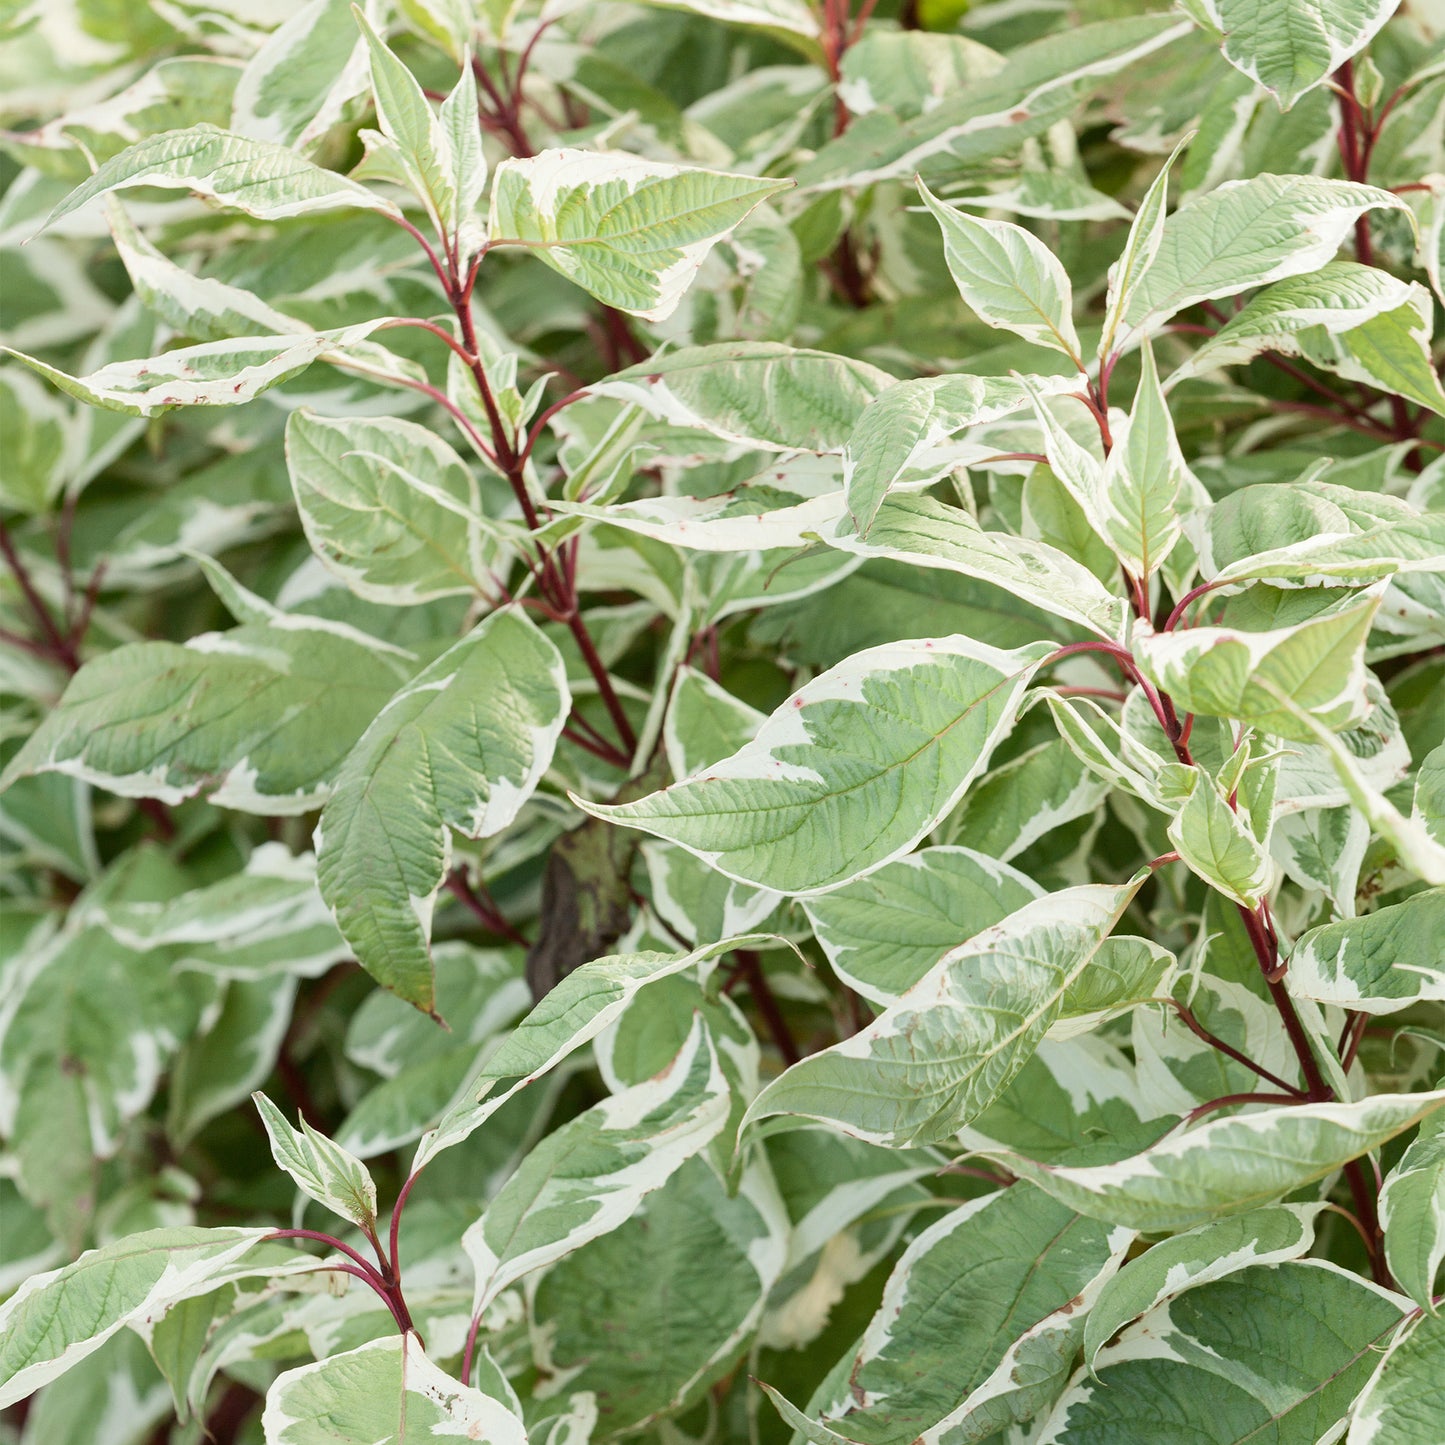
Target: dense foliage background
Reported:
point(774, 673)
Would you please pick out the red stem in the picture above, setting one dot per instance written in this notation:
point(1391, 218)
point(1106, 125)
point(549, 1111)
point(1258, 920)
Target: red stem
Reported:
point(370, 1274)
point(57, 643)
point(394, 1233)
point(466, 1374)
point(1194, 593)
point(596, 667)
point(1215, 1042)
point(538, 426)
point(1226, 1100)
point(490, 916)
point(751, 970)
point(438, 331)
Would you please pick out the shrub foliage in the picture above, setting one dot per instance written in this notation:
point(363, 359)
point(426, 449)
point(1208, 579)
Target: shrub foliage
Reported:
point(773, 676)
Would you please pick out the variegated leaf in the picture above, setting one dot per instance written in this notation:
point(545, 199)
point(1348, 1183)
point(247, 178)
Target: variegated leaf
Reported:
point(790, 809)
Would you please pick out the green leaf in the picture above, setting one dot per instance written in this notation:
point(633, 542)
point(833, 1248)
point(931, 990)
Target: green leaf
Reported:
point(1412, 1213)
point(1228, 1165)
point(630, 232)
point(1323, 848)
point(1291, 46)
point(574, 1012)
point(1216, 842)
point(997, 1281)
point(267, 920)
point(1025, 799)
point(389, 508)
point(1040, 84)
point(758, 393)
point(938, 1057)
point(1336, 298)
point(218, 1069)
point(1416, 846)
point(1141, 247)
point(230, 372)
point(1126, 971)
point(40, 447)
point(1143, 478)
point(442, 159)
point(1196, 1366)
point(1213, 1251)
point(605, 1326)
point(1390, 351)
point(268, 181)
point(704, 723)
point(791, 17)
point(926, 533)
point(1404, 545)
point(176, 91)
point(1377, 964)
point(590, 1176)
point(1221, 672)
point(304, 77)
point(1247, 233)
point(1403, 1401)
point(787, 811)
point(465, 160)
point(200, 307)
point(904, 435)
point(386, 1390)
point(463, 745)
point(1008, 277)
point(115, 1396)
point(90, 1023)
point(322, 1169)
point(55, 1320)
point(425, 1070)
point(884, 932)
point(259, 718)
point(753, 516)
